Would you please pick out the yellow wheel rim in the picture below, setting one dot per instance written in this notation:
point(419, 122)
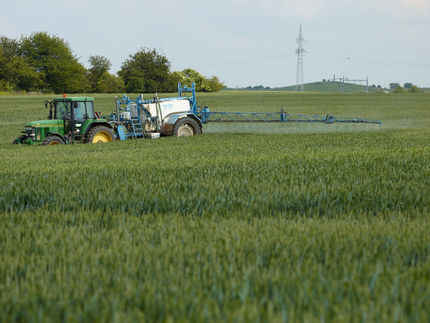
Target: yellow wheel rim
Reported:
point(53, 143)
point(101, 136)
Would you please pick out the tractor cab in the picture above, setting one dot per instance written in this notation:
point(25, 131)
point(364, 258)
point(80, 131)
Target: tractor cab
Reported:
point(70, 120)
point(76, 114)
point(79, 109)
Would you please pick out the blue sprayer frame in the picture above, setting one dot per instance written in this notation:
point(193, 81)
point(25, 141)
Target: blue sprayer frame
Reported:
point(205, 115)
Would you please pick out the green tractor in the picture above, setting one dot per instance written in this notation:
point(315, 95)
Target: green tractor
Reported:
point(70, 120)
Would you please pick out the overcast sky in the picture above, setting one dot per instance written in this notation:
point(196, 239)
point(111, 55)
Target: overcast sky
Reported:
point(243, 42)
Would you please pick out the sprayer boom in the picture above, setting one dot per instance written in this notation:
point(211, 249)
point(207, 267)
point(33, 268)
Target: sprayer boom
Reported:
point(207, 116)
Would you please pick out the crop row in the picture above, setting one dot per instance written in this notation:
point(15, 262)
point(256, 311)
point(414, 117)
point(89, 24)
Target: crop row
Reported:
point(103, 267)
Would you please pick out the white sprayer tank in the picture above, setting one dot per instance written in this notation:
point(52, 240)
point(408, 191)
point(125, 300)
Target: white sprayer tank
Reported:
point(167, 108)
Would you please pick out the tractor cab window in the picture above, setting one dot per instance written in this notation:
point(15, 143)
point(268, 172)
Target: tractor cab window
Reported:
point(62, 110)
point(79, 112)
point(90, 109)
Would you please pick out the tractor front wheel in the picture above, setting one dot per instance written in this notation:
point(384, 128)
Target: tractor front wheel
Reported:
point(19, 139)
point(186, 127)
point(52, 140)
point(100, 134)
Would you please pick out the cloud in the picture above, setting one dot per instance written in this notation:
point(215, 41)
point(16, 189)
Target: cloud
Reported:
point(313, 8)
point(78, 4)
point(6, 28)
point(279, 8)
point(407, 8)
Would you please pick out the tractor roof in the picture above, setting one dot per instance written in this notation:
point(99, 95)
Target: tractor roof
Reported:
point(73, 99)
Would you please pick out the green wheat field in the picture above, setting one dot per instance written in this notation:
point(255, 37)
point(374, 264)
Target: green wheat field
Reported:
point(245, 223)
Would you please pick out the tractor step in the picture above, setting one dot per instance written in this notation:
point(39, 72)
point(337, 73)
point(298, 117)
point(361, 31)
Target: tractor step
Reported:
point(137, 128)
point(153, 135)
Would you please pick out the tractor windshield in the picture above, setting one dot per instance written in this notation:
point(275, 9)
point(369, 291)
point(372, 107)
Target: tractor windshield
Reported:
point(62, 110)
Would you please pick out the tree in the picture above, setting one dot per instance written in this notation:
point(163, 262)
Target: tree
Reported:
point(188, 76)
point(53, 60)
point(194, 76)
point(393, 86)
point(146, 71)
point(15, 73)
point(99, 78)
point(109, 83)
point(213, 84)
point(399, 89)
point(173, 80)
point(99, 68)
point(407, 85)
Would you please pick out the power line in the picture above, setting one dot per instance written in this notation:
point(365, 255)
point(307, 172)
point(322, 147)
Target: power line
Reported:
point(238, 61)
point(374, 61)
point(381, 51)
point(344, 79)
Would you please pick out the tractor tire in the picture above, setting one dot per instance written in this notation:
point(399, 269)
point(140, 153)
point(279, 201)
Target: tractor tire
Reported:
point(52, 140)
point(186, 127)
point(99, 134)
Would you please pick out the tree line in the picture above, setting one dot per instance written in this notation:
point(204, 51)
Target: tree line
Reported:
point(45, 63)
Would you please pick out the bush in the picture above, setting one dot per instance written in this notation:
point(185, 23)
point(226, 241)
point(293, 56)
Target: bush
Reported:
point(109, 83)
point(399, 89)
point(202, 83)
point(414, 89)
point(6, 86)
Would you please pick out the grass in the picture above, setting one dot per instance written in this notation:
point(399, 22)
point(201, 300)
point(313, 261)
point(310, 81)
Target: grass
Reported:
point(246, 223)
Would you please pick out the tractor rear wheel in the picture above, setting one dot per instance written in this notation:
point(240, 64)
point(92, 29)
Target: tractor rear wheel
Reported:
point(99, 134)
point(52, 140)
point(186, 127)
